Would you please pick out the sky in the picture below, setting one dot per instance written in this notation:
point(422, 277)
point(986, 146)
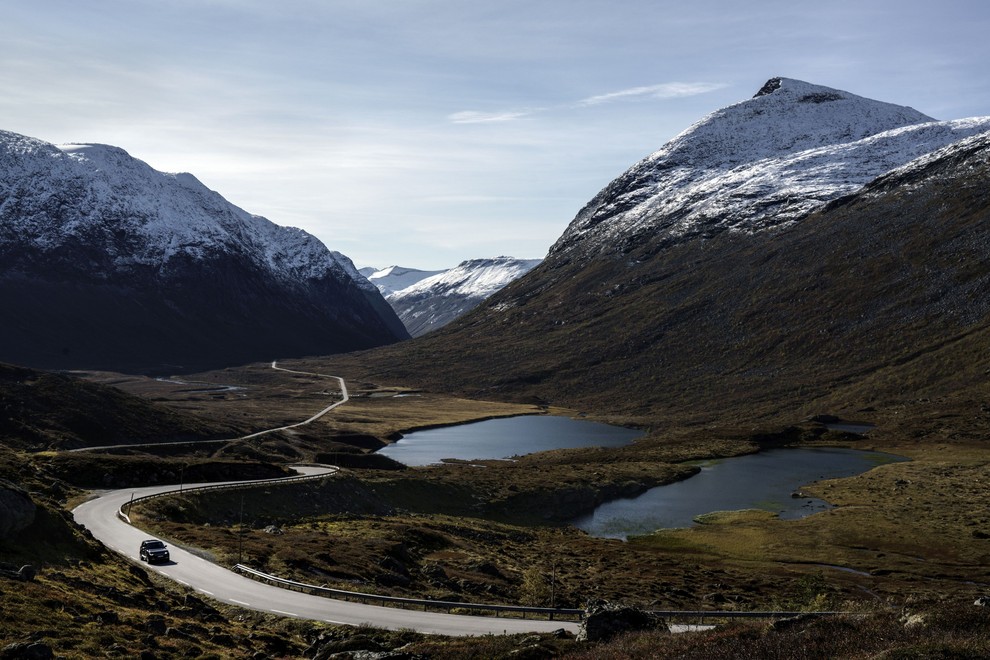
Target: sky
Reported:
point(426, 132)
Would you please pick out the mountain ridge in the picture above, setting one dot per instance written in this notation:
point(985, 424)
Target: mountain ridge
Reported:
point(758, 164)
point(857, 295)
point(395, 278)
point(108, 263)
point(433, 302)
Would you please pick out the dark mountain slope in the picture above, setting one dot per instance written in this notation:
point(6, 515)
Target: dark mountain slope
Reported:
point(886, 286)
point(41, 410)
point(106, 263)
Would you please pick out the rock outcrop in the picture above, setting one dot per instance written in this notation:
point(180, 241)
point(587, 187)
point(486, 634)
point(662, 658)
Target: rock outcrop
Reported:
point(17, 510)
point(602, 621)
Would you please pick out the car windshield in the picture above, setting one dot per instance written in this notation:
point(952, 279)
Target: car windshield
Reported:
point(154, 545)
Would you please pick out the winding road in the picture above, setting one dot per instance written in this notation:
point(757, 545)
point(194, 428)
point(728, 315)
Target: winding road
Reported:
point(99, 516)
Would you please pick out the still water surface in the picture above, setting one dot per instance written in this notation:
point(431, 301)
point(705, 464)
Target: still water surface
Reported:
point(504, 438)
point(758, 481)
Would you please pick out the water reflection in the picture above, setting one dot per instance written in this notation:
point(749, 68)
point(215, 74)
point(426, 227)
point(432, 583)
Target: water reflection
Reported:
point(504, 438)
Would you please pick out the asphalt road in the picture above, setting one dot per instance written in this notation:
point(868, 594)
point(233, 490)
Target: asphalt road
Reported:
point(99, 516)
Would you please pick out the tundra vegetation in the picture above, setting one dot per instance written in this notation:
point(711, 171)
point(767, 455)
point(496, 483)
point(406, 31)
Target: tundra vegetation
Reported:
point(905, 552)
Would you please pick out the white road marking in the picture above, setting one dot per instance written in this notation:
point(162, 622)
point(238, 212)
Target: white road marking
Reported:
point(240, 602)
point(285, 613)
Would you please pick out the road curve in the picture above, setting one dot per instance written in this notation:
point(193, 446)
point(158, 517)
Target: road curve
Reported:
point(345, 397)
point(99, 516)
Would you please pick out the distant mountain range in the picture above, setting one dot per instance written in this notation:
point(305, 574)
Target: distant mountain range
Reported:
point(107, 263)
point(395, 278)
point(427, 300)
point(801, 249)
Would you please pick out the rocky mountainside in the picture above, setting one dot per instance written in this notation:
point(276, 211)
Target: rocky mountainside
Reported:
point(433, 302)
point(108, 263)
point(806, 248)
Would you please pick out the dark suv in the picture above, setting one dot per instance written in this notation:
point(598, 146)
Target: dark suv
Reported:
point(153, 550)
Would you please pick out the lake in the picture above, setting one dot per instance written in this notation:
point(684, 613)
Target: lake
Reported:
point(504, 438)
point(757, 481)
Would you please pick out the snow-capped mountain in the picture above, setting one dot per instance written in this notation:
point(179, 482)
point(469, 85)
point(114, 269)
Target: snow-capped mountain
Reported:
point(435, 301)
point(107, 262)
point(762, 163)
point(395, 278)
point(800, 251)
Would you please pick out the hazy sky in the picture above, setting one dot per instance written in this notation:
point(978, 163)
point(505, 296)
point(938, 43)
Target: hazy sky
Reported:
point(426, 132)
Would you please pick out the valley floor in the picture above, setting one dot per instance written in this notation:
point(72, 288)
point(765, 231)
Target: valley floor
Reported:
point(912, 536)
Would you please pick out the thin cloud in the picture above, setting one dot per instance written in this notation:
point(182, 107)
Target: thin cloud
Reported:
point(670, 90)
point(472, 117)
point(663, 91)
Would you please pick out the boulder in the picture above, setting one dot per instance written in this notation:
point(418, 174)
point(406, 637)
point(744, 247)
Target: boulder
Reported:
point(17, 510)
point(982, 601)
point(27, 651)
point(435, 575)
point(178, 633)
point(27, 573)
point(107, 618)
point(602, 621)
point(156, 624)
point(349, 645)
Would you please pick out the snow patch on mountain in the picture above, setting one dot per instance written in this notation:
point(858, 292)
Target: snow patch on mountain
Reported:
point(81, 191)
point(395, 278)
point(762, 163)
point(437, 300)
point(475, 277)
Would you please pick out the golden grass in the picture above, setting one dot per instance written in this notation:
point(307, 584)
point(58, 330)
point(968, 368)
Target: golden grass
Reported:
point(267, 398)
point(916, 528)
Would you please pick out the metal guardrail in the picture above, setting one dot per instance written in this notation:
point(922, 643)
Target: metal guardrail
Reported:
point(447, 605)
point(734, 614)
point(343, 594)
point(700, 615)
point(278, 481)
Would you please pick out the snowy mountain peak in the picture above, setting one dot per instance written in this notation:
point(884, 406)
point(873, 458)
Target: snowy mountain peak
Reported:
point(474, 277)
point(792, 116)
point(395, 278)
point(102, 190)
point(761, 163)
point(434, 301)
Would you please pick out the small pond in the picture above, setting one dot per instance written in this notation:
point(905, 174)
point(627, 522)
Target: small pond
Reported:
point(505, 437)
point(765, 481)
